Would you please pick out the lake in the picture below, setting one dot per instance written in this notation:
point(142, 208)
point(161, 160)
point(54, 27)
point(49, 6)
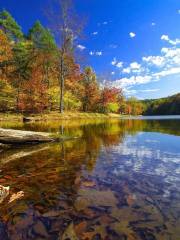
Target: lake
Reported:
point(117, 179)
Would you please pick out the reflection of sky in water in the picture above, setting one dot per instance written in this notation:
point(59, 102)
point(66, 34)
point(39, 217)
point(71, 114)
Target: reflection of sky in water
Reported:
point(149, 153)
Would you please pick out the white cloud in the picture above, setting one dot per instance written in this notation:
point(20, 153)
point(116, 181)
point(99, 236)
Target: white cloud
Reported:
point(171, 52)
point(153, 24)
point(133, 67)
point(165, 37)
point(132, 34)
point(126, 70)
point(119, 64)
point(131, 92)
point(179, 11)
point(149, 90)
point(154, 60)
point(171, 57)
point(171, 71)
point(105, 23)
point(95, 53)
point(81, 47)
point(173, 42)
point(95, 33)
point(150, 69)
point(133, 80)
point(99, 53)
point(116, 63)
point(112, 73)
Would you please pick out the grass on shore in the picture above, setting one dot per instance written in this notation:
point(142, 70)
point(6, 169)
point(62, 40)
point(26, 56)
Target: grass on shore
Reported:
point(55, 116)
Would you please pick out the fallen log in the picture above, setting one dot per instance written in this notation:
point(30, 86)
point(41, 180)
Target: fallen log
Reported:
point(10, 136)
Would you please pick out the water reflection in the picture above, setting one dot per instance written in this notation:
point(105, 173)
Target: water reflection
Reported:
point(118, 180)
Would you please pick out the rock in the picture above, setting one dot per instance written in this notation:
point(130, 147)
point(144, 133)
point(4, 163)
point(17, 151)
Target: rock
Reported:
point(94, 198)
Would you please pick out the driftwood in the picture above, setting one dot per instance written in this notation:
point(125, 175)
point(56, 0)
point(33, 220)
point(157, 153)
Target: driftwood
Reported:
point(9, 136)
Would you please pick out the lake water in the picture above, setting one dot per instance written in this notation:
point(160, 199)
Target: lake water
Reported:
point(118, 180)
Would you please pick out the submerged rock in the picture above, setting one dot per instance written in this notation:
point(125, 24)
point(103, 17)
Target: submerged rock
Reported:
point(93, 198)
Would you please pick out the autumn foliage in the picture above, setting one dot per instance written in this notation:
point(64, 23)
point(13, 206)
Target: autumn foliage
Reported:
point(31, 69)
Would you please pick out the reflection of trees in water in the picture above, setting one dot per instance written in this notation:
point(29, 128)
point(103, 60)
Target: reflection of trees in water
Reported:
point(133, 126)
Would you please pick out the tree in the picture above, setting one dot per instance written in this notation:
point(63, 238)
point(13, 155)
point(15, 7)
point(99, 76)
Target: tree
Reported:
point(6, 90)
point(10, 26)
point(22, 60)
point(110, 99)
point(44, 45)
point(134, 106)
point(5, 52)
point(67, 29)
point(90, 96)
point(33, 97)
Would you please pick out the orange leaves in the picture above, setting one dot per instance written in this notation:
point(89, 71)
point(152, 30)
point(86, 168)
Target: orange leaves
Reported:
point(110, 95)
point(5, 47)
point(34, 95)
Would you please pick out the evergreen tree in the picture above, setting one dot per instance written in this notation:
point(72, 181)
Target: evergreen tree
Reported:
point(10, 26)
point(42, 38)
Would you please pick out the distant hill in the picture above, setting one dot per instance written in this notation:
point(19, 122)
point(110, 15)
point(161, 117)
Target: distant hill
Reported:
point(163, 106)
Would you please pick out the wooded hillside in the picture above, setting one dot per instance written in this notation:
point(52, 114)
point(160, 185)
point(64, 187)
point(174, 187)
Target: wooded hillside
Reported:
point(162, 106)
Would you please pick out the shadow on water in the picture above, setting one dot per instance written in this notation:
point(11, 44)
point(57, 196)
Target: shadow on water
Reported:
point(118, 180)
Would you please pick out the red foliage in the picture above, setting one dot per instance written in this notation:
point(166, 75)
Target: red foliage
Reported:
point(34, 95)
point(110, 95)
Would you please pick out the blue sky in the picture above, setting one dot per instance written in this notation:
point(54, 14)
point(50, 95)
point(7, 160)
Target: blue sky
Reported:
point(133, 44)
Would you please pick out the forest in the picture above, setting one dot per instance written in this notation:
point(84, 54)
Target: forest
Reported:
point(38, 75)
point(163, 106)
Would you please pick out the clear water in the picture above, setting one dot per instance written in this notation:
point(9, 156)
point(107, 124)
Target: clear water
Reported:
point(119, 179)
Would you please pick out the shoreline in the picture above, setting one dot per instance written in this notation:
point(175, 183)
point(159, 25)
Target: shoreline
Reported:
point(55, 116)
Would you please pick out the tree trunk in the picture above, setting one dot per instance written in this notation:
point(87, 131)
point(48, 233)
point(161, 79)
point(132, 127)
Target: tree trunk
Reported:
point(61, 81)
